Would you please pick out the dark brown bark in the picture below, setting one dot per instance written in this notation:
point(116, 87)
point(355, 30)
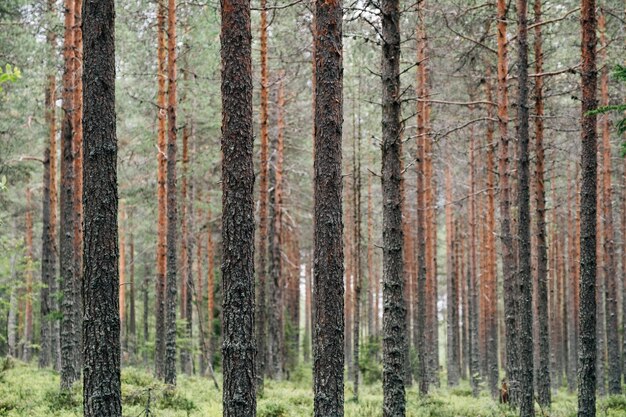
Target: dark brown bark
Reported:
point(186, 253)
point(101, 325)
point(161, 254)
point(261, 309)
point(525, 281)
point(132, 318)
point(610, 267)
point(28, 275)
point(70, 353)
point(472, 273)
point(328, 289)
point(239, 345)
point(543, 367)
point(587, 312)
point(394, 309)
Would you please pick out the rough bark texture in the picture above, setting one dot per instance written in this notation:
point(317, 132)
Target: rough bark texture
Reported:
point(239, 345)
point(101, 325)
point(161, 255)
point(472, 281)
point(587, 311)
point(610, 267)
point(508, 255)
point(394, 309)
point(172, 209)
point(328, 293)
point(28, 273)
point(69, 326)
point(261, 313)
point(525, 282)
point(543, 367)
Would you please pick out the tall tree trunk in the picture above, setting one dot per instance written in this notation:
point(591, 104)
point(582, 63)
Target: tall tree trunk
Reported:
point(48, 326)
point(328, 292)
point(199, 295)
point(186, 250)
point(420, 328)
point(276, 342)
point(78, 167)
point(172, 209)
point(587, 312)
point(356, 194)
point(161, 192)
point(600, 291)
point(525, 281)
point(261, 311)
point(372, 302)
point(132, 319)
point(610, 267)
point(394, 309)
point(472, 290)
point(122, 278)
point(239, 346)
point(28, 310)
point(211, 342)
point(508, 255)
point(306, 342)
point(69, 326)
point(543, 367)
point(102, 387)
point(491, 299)
point(452, 310)
point(572, 284)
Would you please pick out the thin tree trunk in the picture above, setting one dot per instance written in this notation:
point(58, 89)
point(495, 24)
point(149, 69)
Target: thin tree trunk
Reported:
point(491, 299)
point(161, 192)
point(211, 342)
point(132, 322)
point(122, 279)
point(372, 311)
point(356, 194)
point(261, 312)
point(306, 348)
point(48, 326)
point(543, 367)
point(452, 310)
point(102, 386)
point(186, 250)
point(472, 291)
point(572, 284)
point(172, 209)
point(78, 168)
point(610, 267)
point(199, 296)
point(239, 345)
point(28, 310)
point(328, 290)
point(587, 312)
point(394, 309)
point(69, 326)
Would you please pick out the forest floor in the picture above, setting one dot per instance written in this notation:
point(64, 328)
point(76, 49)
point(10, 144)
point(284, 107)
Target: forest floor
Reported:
point(28, 391)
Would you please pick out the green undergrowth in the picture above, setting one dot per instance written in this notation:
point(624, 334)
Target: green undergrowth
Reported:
point(28, 391)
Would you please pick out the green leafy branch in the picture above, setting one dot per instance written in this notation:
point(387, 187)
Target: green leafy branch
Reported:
point(9, 74)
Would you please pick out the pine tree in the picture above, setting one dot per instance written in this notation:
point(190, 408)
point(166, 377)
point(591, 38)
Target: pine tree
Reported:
point(239, 343)
point(102, 386)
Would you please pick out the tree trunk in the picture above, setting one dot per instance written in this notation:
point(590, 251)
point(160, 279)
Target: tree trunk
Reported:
point(239, 346)
point(132, 319)
point(161, 192)
point(186, 257)
point(48, 326)
point(356, 195)
point(211, 342)
point(543, 367)
point(101, 326)
point(172, 209)
point(122, 278)
point(472, 282)
point(452, 310)
point(491, 298)
point(69, 326)
point(261, 311)
point(306, 342)
point(145, 301)
point(328, 292)
point(394, 309)
point(525, 281)
point(276, 328)
point(78, 168)
point(28, 311)
point(587, 312)
point(610, 267)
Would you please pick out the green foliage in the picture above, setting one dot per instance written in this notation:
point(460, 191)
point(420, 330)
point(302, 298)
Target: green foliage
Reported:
point(619, 73)
point(272, 409)
point(9, 75)
point(370, 363)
